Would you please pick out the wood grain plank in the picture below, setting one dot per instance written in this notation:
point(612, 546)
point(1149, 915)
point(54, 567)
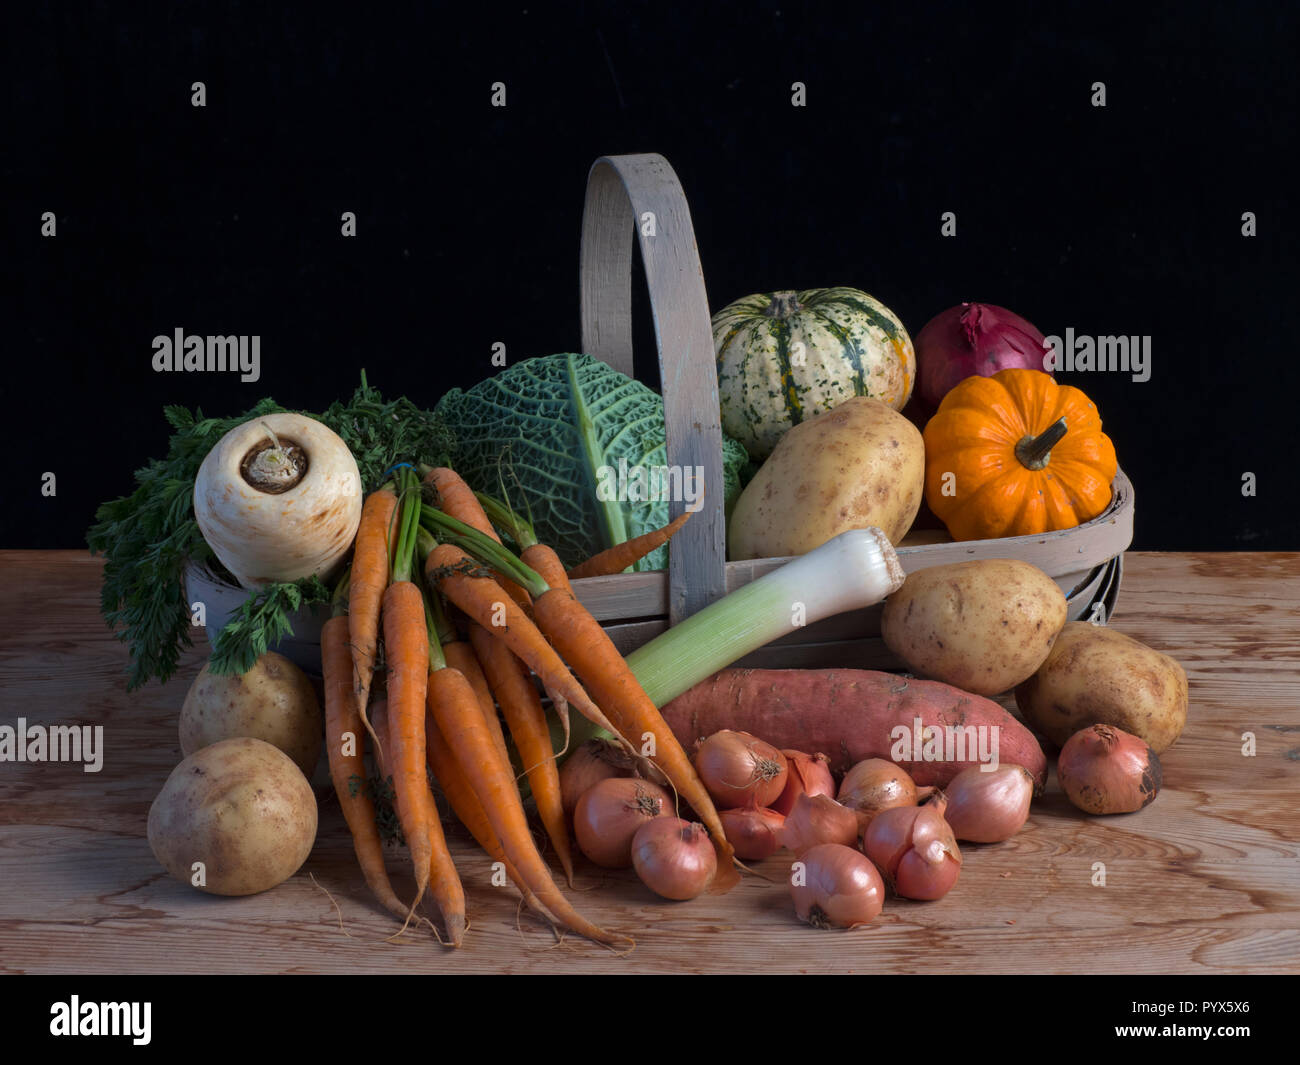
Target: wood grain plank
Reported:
point(1205, 880)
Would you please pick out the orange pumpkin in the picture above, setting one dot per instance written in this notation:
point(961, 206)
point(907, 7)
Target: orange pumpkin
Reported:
point(1025, 455)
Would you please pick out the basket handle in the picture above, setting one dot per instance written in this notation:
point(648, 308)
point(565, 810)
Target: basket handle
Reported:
point(640, 194)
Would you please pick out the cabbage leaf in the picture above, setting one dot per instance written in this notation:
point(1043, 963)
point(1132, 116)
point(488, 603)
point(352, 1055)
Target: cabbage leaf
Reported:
point(539, 433)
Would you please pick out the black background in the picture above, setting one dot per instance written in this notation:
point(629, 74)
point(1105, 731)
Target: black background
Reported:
point(181, 1011)
point(226, 219)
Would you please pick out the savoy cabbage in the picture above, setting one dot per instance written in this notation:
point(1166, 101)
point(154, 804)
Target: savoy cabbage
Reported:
point(544, 429)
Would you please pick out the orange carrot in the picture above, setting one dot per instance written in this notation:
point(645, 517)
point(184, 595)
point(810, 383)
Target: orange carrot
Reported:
point(456, 498)
point(466, 584)
point(465, 805)
point(444, 882)
point(343, 743)
point(617, 558)
point(457, 653)
point(461, 655)
point(523, 711)
point(369, 581)
point(593, 656)
point(455, 708)
point(406, 650)
point(443, 879)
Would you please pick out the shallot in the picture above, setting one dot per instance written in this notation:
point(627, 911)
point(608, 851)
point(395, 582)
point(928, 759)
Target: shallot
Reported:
point(609, 814)
point(754, 831)
point(834, 886)
point(818, 819)
point(674, 858)
point(740, 770)
point(1105, 770)
point(806, 775)
point(915, 849)
point(874, 785)
point(588, 765)
point(988, 807)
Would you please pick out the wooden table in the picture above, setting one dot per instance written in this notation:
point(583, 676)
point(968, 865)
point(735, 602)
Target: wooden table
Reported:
point(1206, 880)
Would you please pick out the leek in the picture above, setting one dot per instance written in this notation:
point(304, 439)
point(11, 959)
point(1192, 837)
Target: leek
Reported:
point(850, 572)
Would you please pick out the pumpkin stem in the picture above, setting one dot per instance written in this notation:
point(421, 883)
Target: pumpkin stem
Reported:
point(783, 304)
point(1034, 452)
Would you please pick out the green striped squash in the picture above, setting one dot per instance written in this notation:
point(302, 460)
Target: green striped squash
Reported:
point(785, 357)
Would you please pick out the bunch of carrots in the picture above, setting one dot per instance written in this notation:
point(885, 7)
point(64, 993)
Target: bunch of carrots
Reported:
point(521, 619)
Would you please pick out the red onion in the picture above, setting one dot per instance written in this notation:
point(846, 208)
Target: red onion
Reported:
point(974, 338)
point(806, 775)
point(1105, 770)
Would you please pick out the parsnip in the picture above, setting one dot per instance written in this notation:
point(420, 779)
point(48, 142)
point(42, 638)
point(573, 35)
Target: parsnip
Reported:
point(279, 499)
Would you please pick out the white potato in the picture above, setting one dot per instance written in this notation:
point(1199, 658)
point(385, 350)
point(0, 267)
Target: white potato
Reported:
point(274, 701)
point(234, 818)
point(983, 626)
point(854, 467)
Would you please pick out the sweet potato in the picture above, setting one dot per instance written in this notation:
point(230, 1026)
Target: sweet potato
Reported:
point(852, 714)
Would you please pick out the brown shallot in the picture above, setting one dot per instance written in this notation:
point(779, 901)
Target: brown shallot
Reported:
point(594, 761)
point(915, 849)
point(609, 814)
point(818, 819)
point(754, 831)
point(674, 858)
point(988, 807)
point(739, 769)
point(1105, 770)
point(808, 774)
point(874, 785)
point(834, 886)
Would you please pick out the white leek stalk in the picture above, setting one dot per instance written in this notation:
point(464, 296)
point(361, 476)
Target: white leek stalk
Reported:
point(850, 572)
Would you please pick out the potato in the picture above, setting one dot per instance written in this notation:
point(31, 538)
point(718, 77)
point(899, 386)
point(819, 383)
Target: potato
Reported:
point(982, 626)
point(859, 465)
point(274, 701)
point(243, 809)
point(1097, 676)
